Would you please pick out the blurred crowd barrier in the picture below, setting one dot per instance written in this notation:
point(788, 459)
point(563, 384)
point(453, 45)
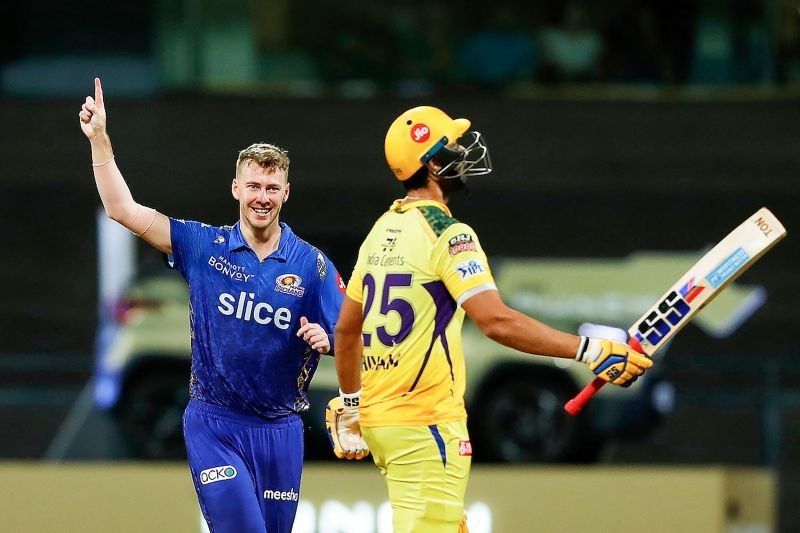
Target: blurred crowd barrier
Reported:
point(351, 497)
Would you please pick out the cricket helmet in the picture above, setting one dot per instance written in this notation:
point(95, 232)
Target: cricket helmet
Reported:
point(424, 133)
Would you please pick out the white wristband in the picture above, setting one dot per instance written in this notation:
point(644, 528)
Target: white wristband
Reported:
point(581, 353)
point(350, 399)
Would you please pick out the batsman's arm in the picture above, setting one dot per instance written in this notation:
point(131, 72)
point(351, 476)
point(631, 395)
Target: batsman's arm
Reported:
point(342, 414)
point(609, 360)
point(347, 339)
point(517, 330)
point(117, 200)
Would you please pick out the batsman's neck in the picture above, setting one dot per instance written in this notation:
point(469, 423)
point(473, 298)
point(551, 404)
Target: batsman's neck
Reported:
point(431, 191)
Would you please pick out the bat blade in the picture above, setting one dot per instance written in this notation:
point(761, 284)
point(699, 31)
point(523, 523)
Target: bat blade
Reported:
point(694, 290)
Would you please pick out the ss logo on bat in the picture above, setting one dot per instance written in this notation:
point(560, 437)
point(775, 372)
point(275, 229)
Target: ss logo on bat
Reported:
point(669, 313)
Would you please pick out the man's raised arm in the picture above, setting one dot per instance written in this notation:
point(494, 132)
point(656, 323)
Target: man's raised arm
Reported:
point(118, 202)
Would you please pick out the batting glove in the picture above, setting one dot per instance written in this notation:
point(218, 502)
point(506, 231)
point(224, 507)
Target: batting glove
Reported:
point(615, 362)
point(341, 421)
point(599, 331)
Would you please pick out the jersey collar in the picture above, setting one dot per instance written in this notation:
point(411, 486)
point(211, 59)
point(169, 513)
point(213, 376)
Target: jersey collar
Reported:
point(400, 207)
point(237, 242)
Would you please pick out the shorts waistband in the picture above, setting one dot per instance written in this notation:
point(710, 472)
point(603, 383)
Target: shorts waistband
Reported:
point(226, 413)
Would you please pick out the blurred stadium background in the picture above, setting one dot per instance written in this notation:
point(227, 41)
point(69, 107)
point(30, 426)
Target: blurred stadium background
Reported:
point(614, 127)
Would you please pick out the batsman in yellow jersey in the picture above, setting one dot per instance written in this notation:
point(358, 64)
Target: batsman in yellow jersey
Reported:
point(399, 356)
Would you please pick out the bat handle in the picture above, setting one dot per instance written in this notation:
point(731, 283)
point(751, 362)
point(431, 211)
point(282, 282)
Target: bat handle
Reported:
point(575, 405)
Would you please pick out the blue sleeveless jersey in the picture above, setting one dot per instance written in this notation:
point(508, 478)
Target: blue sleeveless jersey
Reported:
point(245, 313)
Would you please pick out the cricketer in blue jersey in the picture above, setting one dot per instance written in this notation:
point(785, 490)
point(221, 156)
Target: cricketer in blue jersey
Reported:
point(263, 307)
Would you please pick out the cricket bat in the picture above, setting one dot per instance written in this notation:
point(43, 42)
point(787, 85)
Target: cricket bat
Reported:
point(708, 277)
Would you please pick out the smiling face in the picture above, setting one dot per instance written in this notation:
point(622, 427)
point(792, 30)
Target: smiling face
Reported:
point(261, 193)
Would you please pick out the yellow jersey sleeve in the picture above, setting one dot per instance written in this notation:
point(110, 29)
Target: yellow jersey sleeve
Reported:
point(460, 262)
point(355, 286)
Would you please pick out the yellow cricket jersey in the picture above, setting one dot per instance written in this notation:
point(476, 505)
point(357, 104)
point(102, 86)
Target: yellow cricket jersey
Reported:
point(414, 269)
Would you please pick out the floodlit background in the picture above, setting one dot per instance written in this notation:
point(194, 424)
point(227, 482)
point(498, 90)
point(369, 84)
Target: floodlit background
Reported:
point(627, 137)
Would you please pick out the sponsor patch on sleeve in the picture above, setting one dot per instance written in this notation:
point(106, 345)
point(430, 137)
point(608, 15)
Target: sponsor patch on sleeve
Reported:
point(470, 268)
point(340, 284)
point(462, 242)
point(322, 268)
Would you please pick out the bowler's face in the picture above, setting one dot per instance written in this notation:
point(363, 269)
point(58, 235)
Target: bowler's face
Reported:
point(261, 194)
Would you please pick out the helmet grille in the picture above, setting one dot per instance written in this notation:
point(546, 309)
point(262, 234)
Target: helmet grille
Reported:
point(470, 158)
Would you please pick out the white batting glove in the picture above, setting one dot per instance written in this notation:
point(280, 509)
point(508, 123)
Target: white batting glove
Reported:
point(598, 331)
point(342, 423)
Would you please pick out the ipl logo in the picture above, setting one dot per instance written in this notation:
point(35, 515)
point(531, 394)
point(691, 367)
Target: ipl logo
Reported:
point(467, 269)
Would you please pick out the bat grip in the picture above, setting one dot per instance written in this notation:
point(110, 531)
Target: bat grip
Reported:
point(575, 405)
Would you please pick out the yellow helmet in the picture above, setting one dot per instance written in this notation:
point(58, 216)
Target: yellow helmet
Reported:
point(416, 135)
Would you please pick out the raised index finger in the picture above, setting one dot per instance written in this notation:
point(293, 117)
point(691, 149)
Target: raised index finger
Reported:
point(98, 92)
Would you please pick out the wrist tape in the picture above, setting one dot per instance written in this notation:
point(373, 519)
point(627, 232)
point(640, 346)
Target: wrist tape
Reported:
point(350, 399)
point(582, 347)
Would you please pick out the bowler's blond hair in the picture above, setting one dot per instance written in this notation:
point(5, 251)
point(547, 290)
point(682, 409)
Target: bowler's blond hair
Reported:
point(267, 156)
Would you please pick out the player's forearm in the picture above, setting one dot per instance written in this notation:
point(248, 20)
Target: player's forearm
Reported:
point(349, 347)
point(114, 192)
point(117, 199)
point(348, 361)
point(526, 334)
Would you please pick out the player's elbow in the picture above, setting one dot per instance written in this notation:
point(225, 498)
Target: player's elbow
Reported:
point(116, 215)
point(496, 328)
point(344, 329)
point(490, 314)
point(345, 335)
point(117, 212)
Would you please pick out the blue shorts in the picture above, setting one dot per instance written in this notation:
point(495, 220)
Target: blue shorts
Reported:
point(246, 470)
